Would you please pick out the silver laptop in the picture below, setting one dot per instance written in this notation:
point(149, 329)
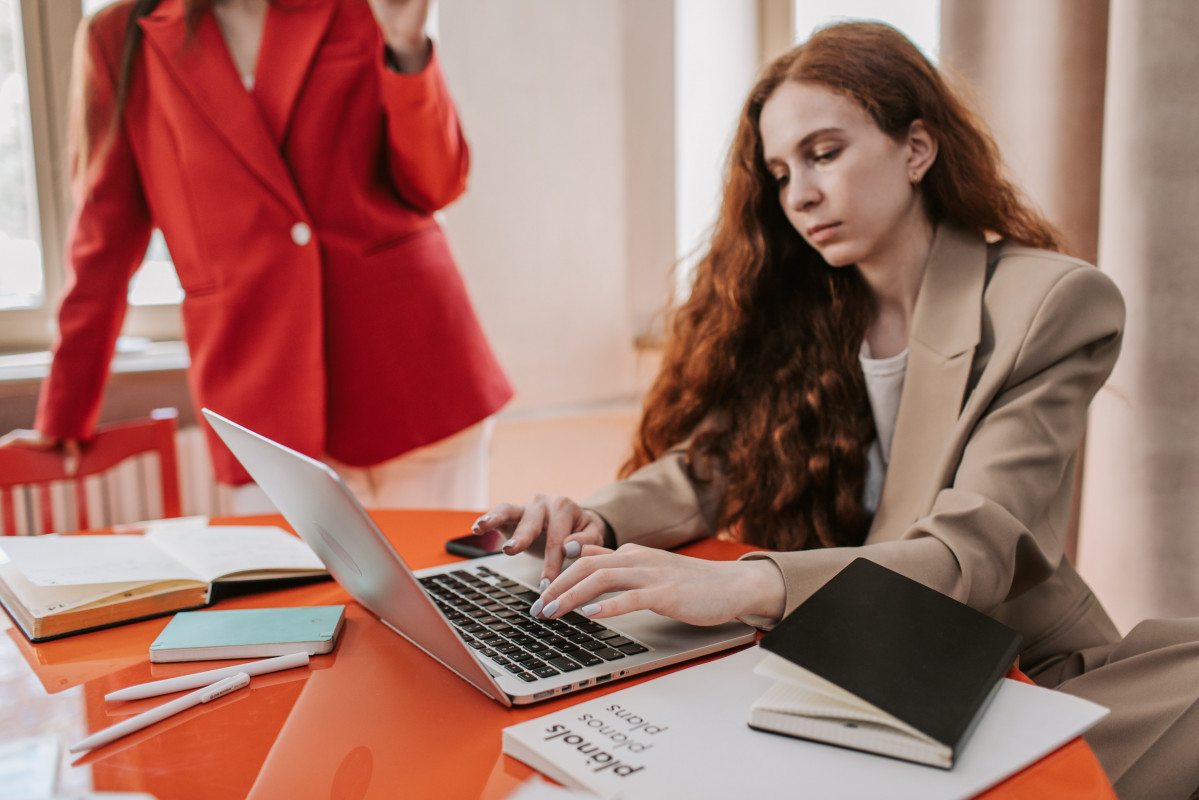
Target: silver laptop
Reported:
point(472, 616)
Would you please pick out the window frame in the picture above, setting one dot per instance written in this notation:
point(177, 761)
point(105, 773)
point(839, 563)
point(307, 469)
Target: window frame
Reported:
point(48, 29)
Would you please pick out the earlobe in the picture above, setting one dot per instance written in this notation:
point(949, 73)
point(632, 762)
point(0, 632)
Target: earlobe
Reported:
point(922, 150)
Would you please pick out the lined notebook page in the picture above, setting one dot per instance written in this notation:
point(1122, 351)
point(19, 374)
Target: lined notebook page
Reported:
point(795, 711)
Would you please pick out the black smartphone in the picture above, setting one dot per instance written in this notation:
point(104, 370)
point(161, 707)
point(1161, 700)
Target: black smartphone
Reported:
point(476, 545)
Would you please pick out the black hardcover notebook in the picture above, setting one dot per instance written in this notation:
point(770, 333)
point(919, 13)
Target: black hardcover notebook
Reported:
point(876, 661)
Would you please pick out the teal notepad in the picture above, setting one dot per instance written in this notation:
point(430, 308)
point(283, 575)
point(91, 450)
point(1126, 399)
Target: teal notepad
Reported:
point(248, 633)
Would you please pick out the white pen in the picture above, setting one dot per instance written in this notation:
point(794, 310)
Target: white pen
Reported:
point(159, 713)
point(168, 685)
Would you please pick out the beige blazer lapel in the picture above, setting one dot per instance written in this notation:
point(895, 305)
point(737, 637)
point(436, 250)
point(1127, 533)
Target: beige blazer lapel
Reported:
point(294, 30)
point(205, 74)
point(945, 333)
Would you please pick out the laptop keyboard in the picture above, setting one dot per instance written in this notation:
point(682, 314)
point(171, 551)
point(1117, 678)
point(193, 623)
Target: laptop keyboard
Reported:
point(491, 613)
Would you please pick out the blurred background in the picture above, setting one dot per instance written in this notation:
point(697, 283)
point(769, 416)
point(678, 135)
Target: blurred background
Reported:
point(598, 131)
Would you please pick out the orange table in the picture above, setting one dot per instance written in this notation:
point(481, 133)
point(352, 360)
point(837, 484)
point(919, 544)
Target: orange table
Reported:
point(376, 718)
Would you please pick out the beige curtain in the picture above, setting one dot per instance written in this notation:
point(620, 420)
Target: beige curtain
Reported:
point(1095, 105)
point(1037, 70)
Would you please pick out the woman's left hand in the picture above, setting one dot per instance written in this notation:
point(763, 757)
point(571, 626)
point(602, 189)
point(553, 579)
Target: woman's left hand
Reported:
point(691, 590)
point(403, 26)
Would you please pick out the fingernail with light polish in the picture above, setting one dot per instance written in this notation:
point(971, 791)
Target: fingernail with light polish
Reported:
point(572, 549)
point(590, 610)
point(535, 609)
point(545, 584)
point(508, 545)
point(550, 610)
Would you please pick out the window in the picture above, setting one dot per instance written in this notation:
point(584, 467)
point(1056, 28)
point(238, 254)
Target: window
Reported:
point(36, 41)
point(21, 281)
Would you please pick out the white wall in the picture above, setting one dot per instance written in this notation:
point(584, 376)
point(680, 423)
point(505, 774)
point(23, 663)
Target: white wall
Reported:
point(716, 63)
point(651, 132)
point(542, 233)
point(567, 233)
point(568, 229)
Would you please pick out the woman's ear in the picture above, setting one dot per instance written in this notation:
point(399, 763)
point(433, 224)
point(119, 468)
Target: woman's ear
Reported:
point(922, 150)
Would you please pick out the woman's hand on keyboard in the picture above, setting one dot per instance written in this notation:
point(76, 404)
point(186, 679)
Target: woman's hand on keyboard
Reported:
point(693, 590)
point(565, 526)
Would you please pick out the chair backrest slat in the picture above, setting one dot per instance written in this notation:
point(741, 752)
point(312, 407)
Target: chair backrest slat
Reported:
point(42, 493)
point(83, 520)
point(10, 510)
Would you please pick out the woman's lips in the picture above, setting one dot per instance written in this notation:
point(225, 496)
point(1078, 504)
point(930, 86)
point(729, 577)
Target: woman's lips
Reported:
point(819, 234)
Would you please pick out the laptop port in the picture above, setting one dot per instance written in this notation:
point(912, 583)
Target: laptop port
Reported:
point(603, 679)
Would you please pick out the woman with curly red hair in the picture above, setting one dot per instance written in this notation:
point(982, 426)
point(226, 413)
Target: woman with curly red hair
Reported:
point(885, 355)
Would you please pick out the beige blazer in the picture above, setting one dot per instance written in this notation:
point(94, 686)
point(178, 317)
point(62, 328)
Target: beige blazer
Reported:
point(1008, 346)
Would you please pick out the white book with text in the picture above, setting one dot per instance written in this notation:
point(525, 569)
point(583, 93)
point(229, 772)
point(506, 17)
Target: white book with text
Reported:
point(685, 735)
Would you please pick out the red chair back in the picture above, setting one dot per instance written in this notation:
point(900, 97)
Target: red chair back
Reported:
point(27, 476)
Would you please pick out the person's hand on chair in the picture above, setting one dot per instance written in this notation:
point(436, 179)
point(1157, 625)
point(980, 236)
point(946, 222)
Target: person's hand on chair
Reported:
point(36, 440)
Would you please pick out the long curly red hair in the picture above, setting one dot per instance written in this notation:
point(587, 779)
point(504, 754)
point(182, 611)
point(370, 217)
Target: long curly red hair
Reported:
point(760, 368)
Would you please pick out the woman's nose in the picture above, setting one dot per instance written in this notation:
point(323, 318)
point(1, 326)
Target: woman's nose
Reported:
point(802, 193)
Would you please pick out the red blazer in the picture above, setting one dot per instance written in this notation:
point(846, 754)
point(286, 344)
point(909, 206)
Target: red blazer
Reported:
point(322, 307)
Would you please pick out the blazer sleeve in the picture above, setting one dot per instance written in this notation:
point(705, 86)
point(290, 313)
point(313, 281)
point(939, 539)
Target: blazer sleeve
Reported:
point(994, 533)
point(106, 240)
point(663, 504)
point(427, 154)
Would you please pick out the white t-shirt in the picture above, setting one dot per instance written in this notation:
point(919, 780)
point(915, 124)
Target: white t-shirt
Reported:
point(884, 385)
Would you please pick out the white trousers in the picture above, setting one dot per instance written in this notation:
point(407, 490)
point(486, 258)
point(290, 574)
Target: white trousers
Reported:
point(450, 473)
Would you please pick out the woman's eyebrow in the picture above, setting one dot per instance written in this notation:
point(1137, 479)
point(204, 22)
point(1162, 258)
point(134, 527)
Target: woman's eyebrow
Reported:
point(816, 134)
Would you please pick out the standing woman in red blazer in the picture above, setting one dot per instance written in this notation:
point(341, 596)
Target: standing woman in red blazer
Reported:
point(292, 152)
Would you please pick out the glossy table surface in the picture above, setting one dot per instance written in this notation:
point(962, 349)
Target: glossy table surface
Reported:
point(376, 718)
